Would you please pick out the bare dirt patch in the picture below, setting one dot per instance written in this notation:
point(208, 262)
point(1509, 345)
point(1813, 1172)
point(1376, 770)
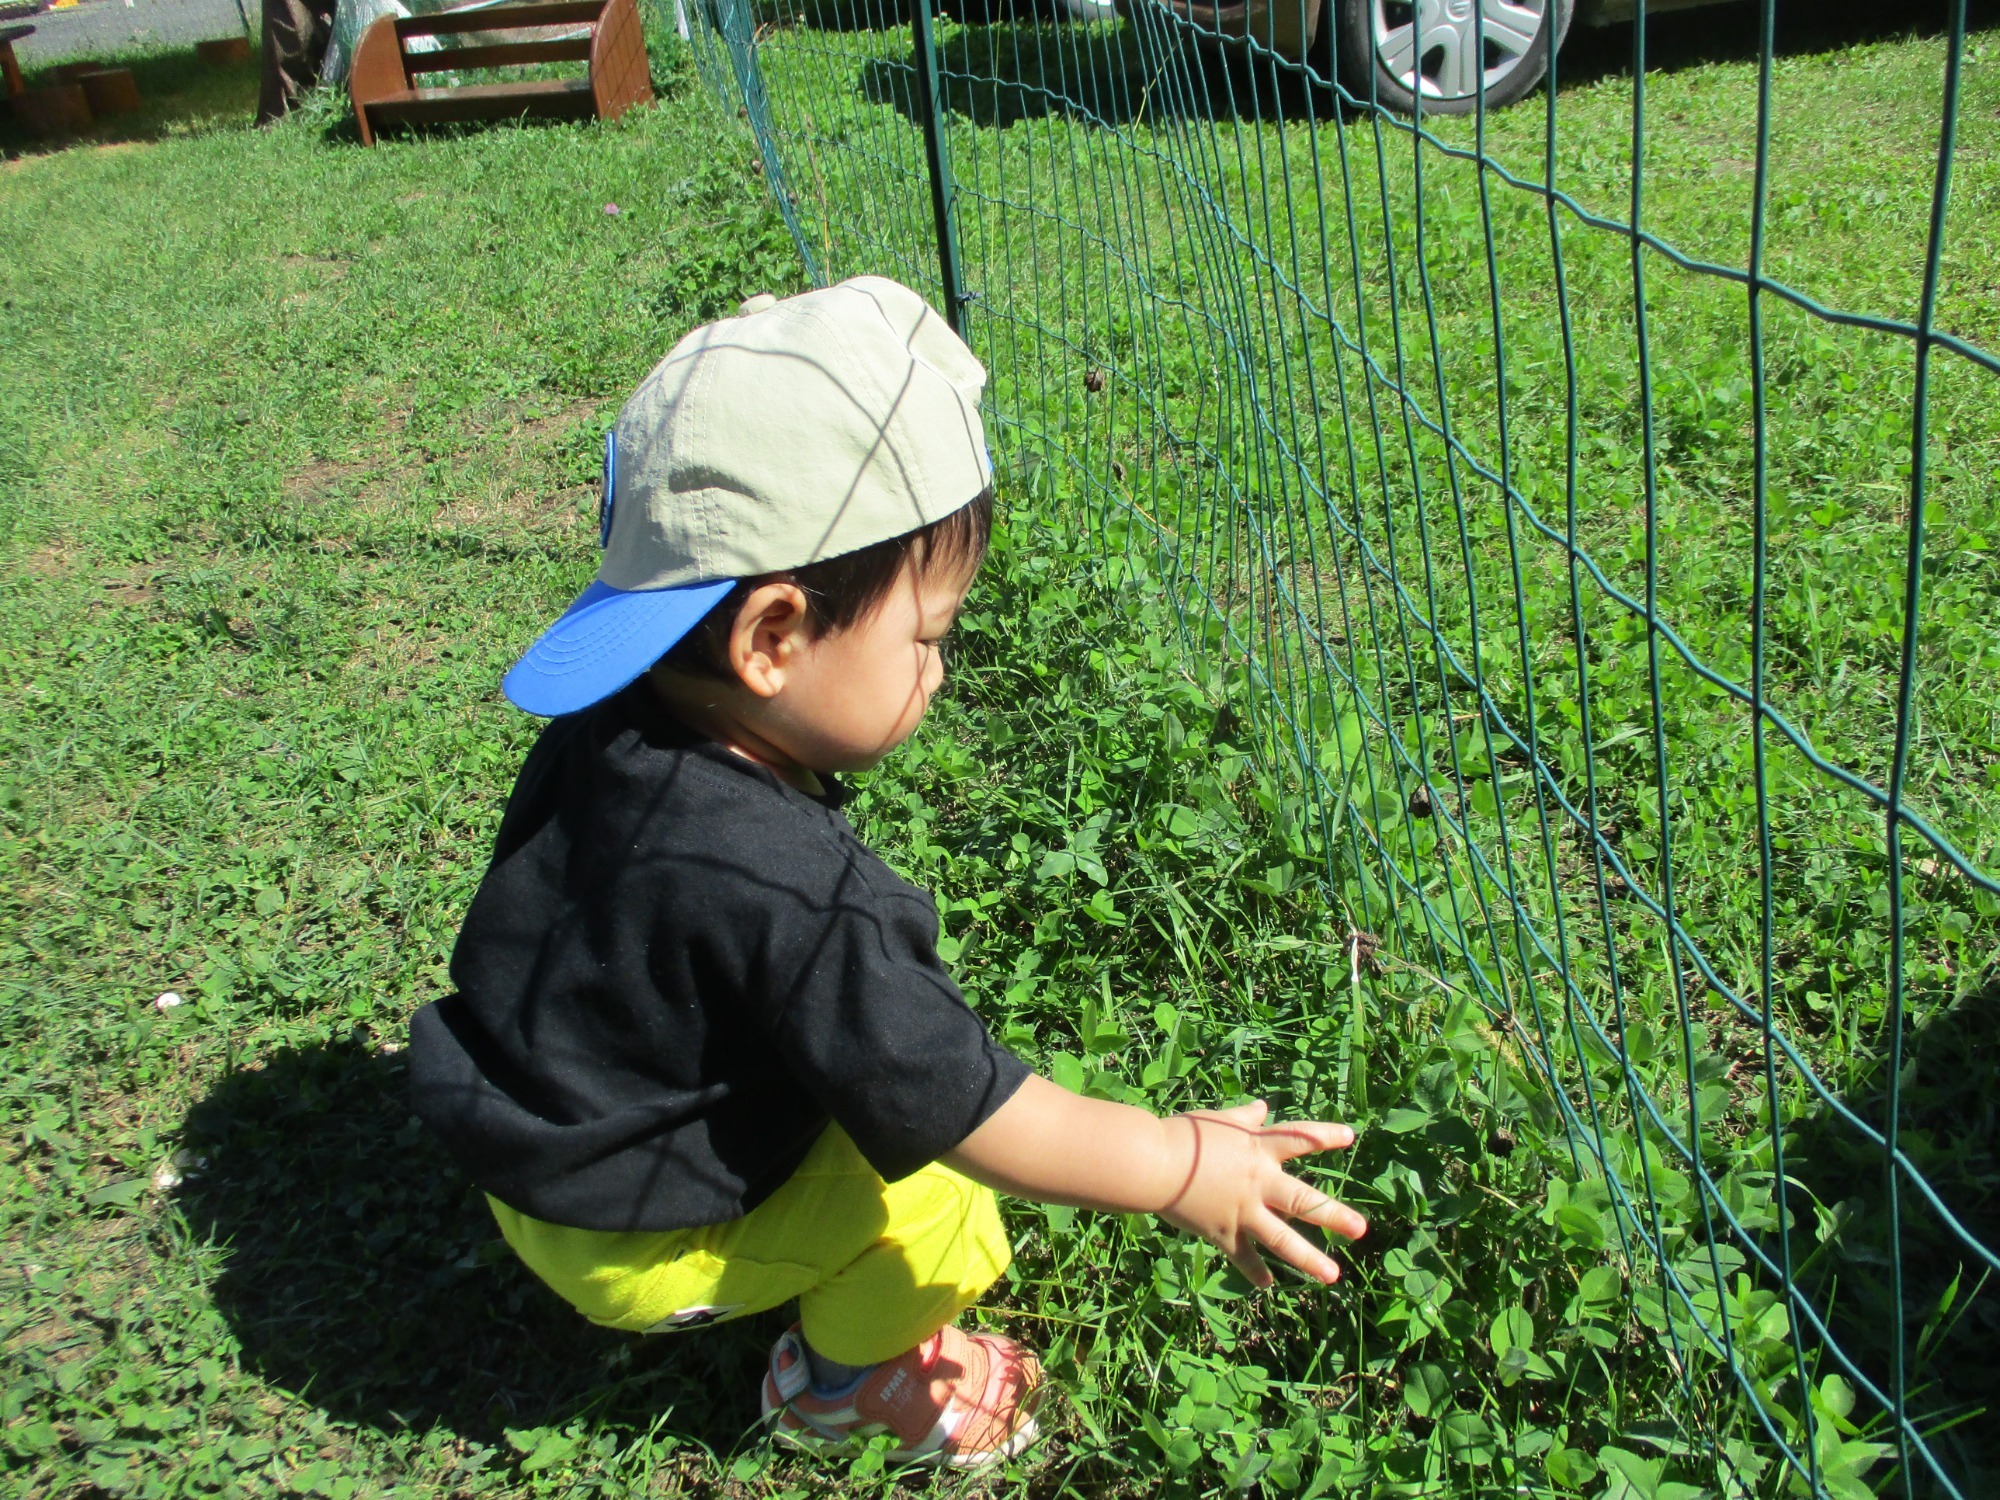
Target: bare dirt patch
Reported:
point(406, 648)
point(544, 427)
point(524, 481)
point(521, 506)
point(322, 479)
point(131, 589)
point(51, 560)
point(326, 267)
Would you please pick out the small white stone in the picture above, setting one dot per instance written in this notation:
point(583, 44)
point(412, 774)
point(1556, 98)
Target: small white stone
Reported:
point(167, 1001)
point(167, 1178)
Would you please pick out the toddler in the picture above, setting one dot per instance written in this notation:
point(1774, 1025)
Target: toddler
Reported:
point(703, 1058)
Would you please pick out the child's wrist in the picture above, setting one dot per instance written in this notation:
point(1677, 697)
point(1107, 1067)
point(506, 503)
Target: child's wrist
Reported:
point(1178, 1155)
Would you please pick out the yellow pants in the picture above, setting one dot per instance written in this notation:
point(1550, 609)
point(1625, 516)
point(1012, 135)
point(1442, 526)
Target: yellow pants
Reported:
point(877, 1267)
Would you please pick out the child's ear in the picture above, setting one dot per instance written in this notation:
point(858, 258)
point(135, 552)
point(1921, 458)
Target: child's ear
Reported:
point(768, 637)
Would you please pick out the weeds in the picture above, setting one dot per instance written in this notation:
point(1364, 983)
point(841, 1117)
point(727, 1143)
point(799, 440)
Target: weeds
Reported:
point(280, 504)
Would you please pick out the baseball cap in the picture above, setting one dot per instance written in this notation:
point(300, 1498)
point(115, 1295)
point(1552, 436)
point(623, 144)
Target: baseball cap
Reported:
point(796, 431)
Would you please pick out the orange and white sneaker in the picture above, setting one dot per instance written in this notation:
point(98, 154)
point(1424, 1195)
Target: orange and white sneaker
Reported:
point(960, 1399)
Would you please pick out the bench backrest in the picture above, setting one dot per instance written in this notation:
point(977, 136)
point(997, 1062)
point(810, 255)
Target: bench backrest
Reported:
point(499, 18)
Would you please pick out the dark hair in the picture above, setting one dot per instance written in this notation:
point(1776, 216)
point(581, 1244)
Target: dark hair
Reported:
point(839, 590)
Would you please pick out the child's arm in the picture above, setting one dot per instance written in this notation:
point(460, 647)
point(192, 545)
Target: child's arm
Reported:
point(1215, 1173)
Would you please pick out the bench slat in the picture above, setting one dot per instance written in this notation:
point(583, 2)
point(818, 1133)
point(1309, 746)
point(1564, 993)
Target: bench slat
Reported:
point(497, 55)
point(558, 98)
point(501, 18)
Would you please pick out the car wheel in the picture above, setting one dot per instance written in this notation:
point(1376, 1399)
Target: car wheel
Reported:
point(1442, 48)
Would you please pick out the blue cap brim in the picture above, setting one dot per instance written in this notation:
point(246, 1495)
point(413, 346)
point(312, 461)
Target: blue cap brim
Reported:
point(603, 642)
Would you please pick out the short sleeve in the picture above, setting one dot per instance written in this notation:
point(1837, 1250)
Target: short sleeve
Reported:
point(871, 1024)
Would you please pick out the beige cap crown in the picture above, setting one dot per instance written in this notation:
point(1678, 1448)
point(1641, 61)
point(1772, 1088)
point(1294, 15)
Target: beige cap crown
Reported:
point(799, 430)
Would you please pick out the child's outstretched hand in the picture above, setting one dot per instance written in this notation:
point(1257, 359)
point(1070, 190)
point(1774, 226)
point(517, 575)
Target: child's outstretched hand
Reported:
point(1238, 1196)
point(1218, 1173)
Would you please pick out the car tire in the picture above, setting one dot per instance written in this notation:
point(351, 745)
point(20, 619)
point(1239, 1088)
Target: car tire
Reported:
point(1514, 59)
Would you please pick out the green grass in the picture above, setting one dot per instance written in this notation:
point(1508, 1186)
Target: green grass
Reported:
point(298, 445)
point(1243, 325)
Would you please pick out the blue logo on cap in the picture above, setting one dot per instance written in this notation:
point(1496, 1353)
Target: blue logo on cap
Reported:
point(610, 489)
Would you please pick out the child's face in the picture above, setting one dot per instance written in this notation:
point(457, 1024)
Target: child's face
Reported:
point(856, 694)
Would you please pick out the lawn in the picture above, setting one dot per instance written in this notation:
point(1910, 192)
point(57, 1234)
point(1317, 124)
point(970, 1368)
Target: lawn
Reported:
point(1486, 534)
point(298, 444)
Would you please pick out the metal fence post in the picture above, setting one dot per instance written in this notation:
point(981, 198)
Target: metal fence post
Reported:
point(924, 36)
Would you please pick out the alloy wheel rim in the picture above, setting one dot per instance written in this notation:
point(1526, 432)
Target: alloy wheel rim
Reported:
point(1438, 48)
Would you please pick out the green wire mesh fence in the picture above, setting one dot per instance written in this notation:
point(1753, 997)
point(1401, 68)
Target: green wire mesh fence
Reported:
point(1592, 518)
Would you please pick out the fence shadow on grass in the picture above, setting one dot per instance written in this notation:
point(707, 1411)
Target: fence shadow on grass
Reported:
point(1731, 34)
point(997, 75)
point(364, 1274)
point(1951, 1312)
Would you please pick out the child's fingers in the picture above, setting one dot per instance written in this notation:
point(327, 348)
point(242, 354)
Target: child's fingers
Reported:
point(1245, 1258)
point(1300, 1200)
point(1299, 1137)
point(1293, 1248)
point(1248, 1116)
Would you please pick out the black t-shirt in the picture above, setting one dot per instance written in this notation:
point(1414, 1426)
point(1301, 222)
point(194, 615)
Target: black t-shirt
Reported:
point(676, 970)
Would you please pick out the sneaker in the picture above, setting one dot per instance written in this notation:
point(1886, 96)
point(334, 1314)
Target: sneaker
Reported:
point(960, 1399)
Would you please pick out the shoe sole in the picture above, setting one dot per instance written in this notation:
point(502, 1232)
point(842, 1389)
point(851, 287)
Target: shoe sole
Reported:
point(789, 1430)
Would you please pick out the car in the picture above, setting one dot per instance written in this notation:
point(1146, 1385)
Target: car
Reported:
point(987, 12)
point(1436, 48)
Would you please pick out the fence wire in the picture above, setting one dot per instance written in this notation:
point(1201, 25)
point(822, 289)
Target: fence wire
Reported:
point(1593, 519)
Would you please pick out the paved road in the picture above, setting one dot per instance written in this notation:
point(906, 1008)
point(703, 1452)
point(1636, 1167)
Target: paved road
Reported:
point(99, 26)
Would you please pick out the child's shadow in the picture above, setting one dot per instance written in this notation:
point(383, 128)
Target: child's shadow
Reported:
point(364, 1275)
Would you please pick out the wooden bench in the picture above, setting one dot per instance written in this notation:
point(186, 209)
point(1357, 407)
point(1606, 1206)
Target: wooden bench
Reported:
point(10, 70)
point(383, 81)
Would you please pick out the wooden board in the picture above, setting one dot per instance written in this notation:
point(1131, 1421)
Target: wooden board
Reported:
point(497, 55)
point(557, 99)
point(501, 18)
